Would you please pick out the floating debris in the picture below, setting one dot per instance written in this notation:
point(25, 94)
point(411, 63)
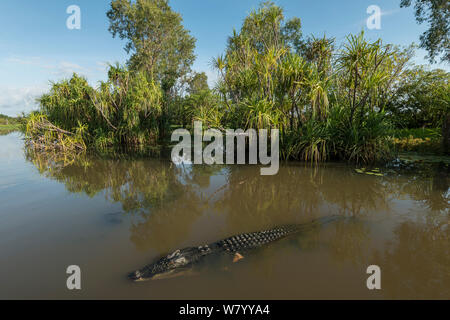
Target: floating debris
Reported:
point(372, 172)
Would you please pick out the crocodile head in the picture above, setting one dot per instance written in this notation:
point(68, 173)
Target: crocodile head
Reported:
point(176, 264)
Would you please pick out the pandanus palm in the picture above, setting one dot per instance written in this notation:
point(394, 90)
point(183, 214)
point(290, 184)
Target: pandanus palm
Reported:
point(261, 114)
point(318, 93)
point(363, 69)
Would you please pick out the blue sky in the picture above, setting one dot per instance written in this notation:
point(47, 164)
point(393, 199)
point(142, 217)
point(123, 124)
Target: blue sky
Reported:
point(36, 47)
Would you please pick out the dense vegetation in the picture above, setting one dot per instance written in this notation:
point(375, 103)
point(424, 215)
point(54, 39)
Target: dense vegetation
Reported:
point(329, 101)
point(6, 120)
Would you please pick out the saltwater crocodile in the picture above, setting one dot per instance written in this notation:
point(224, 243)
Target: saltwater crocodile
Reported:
point(182, 261)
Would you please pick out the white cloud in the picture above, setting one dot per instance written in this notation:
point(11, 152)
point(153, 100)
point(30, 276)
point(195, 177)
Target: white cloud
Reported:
point(102, 66)
point(14, 100)
point(61, 69)
point(389, 12)
point(65, 69)
point(26, 61)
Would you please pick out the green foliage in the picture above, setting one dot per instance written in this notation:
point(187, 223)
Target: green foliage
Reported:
point(130, 107)
point(124, 111)
point(422, 133)
point(366, 141)
point(68, 102)
point(328, 103)
point(8, 128)
point(334, 139)
point(199, 103)
point(156, 39)
point(367, 72)
point(197, 83)
point(422, 99)
point(6, 120)
point(9, 124)
point(43, 135)
point(418, 139)
point(324, 108)
point(265, 28)
point(437, 14)
point(262, 79)
point(204, 107)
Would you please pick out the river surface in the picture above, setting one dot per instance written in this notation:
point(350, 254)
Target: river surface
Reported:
point(111, 217)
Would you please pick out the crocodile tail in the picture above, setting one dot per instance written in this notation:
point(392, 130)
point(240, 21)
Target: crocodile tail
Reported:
point(257, 239)
point(316, 223)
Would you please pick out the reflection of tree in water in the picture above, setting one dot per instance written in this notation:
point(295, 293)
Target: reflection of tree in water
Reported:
point(252, 200)
point(138, 185)
point(428, 184)
point(350, 241)
point(297, 195)
point(170, 198)
point(168, 225)
point(152, 188)
point(354, 194)
point(5, 132)
point(417, 263)
point(200, 175)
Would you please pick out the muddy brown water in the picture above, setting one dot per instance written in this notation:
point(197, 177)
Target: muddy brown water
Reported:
point(111, 217)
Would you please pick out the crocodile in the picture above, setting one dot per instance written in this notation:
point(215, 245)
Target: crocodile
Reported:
point(182, 261)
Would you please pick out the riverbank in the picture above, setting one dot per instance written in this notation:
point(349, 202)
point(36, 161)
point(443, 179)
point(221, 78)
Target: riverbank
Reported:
point(418, 140)
point(8, 128)
point(8, 124)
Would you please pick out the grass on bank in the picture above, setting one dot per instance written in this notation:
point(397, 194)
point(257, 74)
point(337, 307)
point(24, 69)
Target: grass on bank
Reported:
point(8, 128)
point(8, 124)
point(422, 140)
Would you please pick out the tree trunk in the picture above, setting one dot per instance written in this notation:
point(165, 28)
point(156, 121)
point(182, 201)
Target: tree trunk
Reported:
point(446, 134)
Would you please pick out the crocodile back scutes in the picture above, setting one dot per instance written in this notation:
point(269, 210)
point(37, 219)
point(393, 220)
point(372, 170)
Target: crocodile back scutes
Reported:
point(256, 239)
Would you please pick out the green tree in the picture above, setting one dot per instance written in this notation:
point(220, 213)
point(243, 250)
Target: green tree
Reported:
point(260, 73)
point(156, 39)
point(197, 82)
point(124, 111)
point(422, 99)
point(367, 72)
point(437, 14)
point(266, 27)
